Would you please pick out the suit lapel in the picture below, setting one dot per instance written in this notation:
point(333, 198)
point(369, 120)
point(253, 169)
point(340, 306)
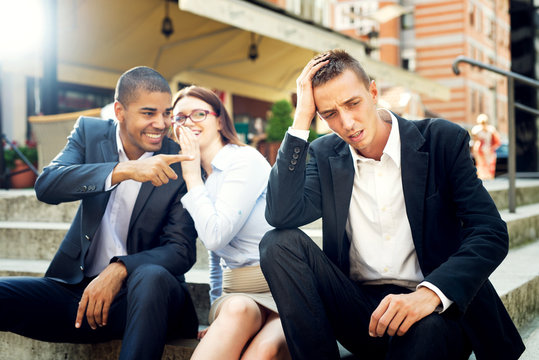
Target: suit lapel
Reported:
point(342, 175)
point(414, 170)
point(146, 190)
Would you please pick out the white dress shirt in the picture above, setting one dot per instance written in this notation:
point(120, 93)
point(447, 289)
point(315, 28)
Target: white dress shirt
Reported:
point(228, 210)
point(381, 244)
point(111, 236)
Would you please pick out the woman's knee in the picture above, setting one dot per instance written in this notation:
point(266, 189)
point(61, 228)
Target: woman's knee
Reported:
point(240, 309)
point(267, 349)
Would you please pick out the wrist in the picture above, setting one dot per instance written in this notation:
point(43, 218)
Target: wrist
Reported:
point(302, 121)
point(120, 172)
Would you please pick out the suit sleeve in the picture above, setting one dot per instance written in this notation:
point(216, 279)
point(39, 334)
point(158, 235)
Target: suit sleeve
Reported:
point(484, 239)
point(69, 177)
point(294, 197)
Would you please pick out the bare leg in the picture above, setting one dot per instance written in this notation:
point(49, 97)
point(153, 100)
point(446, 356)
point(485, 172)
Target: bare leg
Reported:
point(269, 343)
point(238, 320)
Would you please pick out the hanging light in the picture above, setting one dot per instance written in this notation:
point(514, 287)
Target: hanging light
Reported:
point(166, 27)
point(253, 48)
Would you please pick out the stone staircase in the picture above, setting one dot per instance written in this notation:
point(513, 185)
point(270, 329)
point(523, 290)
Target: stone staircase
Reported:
point(30, 233)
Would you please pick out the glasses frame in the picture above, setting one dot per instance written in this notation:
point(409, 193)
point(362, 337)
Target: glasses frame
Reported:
point(206, 112)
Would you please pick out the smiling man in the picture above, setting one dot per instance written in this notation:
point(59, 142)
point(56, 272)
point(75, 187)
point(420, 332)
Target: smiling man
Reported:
point(119, 271)
point(410, 235)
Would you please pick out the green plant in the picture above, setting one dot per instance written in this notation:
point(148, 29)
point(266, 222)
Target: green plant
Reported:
point(29, 150)
point(279, 121)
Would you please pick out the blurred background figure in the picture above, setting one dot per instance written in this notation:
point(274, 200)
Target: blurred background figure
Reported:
point(485, 142)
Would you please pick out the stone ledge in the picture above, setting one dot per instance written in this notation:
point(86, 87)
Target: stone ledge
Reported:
point(16, 347)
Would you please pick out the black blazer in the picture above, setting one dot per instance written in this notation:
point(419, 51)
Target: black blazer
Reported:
point(457, 231)
point(160, 231)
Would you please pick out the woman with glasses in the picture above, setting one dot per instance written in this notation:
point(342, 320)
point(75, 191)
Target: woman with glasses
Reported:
point(226, 198)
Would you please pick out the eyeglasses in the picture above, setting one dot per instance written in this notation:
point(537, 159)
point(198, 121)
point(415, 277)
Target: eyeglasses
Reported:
point(196, 115)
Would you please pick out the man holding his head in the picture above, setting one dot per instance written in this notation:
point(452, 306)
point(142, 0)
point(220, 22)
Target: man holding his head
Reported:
point(118, 273)
point(410, 235)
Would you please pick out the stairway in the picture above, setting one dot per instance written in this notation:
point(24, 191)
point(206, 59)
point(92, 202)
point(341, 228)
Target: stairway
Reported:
point(31, 231)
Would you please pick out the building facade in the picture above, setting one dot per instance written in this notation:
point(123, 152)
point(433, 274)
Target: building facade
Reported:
point(425, 37)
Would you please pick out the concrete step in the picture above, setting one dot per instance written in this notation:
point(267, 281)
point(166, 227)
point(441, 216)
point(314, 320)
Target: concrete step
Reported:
point(15, 347)
point(523, 225)
point(30, 240)
point(530, 335)
point(527, 191)
point(516, 280)
point(22, 205)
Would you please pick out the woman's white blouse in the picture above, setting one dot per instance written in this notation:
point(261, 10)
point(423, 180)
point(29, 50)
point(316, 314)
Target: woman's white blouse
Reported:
point(228, 210)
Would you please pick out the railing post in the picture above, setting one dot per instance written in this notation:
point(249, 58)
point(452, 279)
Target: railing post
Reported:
point(3, 177)
point(511, 104)
point(511, 160)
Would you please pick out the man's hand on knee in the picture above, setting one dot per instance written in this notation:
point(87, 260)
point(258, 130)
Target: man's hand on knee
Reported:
point(99, 294)
point(398, 312)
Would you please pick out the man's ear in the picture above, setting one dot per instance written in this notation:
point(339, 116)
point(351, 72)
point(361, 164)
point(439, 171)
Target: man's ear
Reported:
point(119, 111)
point(373, 91)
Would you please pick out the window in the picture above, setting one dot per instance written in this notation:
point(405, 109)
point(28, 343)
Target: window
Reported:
point(407, 21)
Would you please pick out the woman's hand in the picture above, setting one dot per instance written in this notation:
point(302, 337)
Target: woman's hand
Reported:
point(191, 171)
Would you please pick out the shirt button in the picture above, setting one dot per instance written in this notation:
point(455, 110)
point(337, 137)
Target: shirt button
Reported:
point(388, 237)
point(295, 156)
point(383, 208)
point(291, 167)
point(297, 150)
point(293, 161)
point(87, 237)
point(386, 269)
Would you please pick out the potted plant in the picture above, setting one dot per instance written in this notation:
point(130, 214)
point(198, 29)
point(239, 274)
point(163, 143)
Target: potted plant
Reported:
point(278, 124)
point(21, 175)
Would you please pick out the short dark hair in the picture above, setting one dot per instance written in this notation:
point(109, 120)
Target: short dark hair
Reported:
point(339, 62)
point(139, 78)
point(228, 131)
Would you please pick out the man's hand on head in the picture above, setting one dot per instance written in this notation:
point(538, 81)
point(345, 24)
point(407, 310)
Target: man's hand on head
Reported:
point(99, 294)
point(398, 312)
point(155, 169)
point(305, 108)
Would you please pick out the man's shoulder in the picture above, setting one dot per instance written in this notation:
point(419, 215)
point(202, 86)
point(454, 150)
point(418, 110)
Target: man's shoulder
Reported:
point(435, 126)
point(94, 122)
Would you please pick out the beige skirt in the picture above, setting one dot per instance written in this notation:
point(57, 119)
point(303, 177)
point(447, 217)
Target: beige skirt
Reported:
point(248, 281)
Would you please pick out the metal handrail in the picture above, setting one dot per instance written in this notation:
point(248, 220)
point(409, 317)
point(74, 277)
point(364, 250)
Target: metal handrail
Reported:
point(511, 105)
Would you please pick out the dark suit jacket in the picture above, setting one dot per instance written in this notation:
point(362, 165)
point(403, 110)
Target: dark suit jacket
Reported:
point(457, 231)
point(160, 231)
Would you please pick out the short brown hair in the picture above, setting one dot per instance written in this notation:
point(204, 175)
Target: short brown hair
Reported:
point(228, 131)
point(339, 62)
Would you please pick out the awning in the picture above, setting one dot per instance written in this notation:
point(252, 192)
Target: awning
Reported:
point(256, 19)
point(100, 39)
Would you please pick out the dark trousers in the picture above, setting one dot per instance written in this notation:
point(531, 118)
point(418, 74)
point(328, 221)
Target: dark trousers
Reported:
point(318, 305)
point(151, 304)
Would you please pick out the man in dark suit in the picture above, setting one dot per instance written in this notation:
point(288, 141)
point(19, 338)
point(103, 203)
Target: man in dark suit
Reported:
point(410, 235)
point(119, 271)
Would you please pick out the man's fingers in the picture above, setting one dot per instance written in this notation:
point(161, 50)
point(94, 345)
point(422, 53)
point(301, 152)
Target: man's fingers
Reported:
point(105, 313)
point(80, 311)
point(174, 158)
point(98, 311)
point(90, 314)
point(396, 323)
point(376, 315)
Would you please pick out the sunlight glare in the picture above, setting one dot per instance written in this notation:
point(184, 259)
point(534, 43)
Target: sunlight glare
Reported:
point(21, 27)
